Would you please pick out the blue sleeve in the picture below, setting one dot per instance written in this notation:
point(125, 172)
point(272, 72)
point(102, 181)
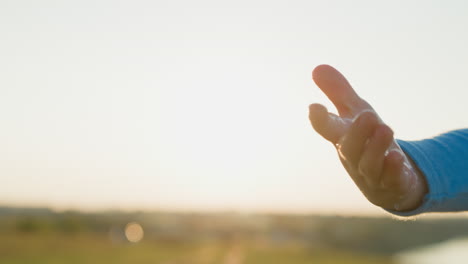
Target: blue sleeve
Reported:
point(444, 162)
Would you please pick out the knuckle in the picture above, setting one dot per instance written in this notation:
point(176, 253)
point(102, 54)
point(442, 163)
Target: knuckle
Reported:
point(366, 116)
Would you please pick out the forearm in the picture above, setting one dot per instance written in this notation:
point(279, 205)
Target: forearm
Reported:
point(444, 162)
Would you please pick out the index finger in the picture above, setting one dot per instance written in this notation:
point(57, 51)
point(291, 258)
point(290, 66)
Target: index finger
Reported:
point(339, 91)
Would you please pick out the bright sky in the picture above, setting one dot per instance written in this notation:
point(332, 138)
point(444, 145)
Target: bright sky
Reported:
point(203, 104)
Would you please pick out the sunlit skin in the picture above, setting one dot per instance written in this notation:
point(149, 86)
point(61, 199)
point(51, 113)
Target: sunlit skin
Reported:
point(366, 147)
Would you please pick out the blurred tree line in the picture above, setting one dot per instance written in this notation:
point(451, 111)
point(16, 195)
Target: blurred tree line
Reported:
point(384, 236)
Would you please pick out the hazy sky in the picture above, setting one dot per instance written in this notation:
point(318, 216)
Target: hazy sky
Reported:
point(203, 104)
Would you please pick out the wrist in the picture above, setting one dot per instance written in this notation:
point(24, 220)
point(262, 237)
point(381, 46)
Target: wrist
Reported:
point(416, 191)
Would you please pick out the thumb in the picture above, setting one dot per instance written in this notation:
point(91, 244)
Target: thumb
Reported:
point(328, 125)
point(339, 91)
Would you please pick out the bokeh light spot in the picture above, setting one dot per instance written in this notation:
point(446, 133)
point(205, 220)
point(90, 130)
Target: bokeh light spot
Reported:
point(134, 232)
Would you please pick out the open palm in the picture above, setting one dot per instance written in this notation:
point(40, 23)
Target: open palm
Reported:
point(366, 147)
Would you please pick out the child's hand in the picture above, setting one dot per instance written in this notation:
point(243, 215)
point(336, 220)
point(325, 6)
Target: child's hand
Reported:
point(381, 170)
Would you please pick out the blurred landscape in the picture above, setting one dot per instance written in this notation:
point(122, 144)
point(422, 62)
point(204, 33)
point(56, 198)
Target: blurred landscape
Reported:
point(41, 235)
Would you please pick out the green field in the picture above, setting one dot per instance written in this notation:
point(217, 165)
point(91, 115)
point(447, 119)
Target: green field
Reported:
point(17, 248)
